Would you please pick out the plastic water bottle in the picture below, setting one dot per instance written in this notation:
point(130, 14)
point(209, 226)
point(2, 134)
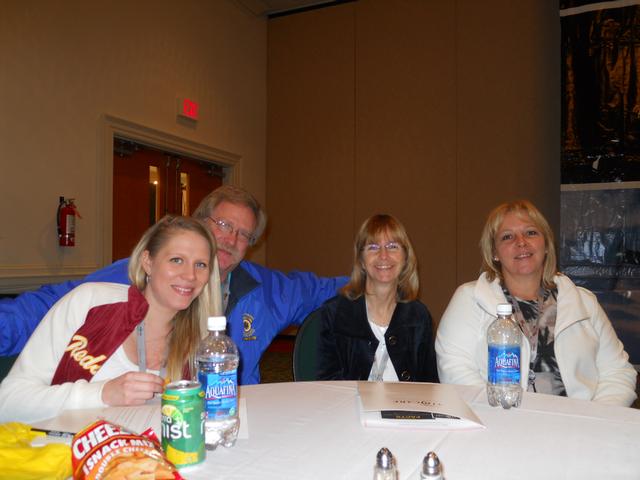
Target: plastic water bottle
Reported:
point(431, 467)
point(385, 467)
point(503, 340)
point(217, 361)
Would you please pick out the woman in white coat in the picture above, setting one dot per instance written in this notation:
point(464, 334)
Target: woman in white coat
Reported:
point(568, 346)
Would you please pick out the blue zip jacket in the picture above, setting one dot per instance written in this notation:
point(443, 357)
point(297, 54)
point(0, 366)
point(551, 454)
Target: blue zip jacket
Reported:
point(261, 303)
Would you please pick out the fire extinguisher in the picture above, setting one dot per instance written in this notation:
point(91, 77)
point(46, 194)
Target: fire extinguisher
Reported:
point(67, 212)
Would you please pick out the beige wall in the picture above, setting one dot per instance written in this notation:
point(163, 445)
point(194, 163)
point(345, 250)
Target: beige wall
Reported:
point(414, 107)
point(434, 111)
point(65, 65)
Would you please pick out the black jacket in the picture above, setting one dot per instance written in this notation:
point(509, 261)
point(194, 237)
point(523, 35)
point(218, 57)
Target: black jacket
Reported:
point(347, 346)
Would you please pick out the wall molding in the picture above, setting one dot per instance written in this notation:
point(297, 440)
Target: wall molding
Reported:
point(18, 279)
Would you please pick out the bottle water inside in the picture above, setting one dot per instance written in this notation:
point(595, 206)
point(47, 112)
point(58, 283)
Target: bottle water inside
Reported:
point(217, 365)
point(503, 372)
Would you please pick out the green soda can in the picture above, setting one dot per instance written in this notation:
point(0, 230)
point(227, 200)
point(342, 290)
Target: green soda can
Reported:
point(183, 416)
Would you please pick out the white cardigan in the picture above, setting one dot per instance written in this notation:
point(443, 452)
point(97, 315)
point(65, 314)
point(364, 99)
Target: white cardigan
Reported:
point(591, 358)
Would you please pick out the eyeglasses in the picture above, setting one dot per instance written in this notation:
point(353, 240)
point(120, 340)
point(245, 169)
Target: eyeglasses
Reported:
point(390, 247)
point(229, 229)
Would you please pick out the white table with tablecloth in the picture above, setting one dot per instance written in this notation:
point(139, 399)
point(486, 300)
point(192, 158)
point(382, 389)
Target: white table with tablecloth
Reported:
point(312, 430)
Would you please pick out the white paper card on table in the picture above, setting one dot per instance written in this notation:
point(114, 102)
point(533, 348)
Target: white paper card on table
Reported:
point(414, 405)
point(135, 419)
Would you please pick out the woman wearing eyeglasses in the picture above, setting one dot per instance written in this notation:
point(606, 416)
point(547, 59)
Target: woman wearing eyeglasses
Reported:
point(376, 329)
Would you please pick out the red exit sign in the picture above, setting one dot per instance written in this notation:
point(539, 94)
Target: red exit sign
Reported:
point(188, 108)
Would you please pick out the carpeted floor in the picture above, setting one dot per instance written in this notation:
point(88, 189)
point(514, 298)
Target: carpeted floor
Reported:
point(277, 362)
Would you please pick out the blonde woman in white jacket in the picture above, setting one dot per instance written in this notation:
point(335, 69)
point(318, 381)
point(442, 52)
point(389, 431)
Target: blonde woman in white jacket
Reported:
point(568, 346)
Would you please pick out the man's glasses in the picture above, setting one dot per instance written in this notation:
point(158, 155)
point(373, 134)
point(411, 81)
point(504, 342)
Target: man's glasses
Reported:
point(229, 229)
point(390, 247)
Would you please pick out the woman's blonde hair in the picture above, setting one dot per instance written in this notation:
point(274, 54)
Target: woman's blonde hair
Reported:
point(492, 267)
point(408, 282)
point(190, 324)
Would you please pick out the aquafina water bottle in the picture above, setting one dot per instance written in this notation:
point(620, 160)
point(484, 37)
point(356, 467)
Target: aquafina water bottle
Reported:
point(217, 362)
point(503, 340)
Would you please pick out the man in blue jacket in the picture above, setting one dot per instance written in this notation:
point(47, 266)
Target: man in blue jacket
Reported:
point(259, 302)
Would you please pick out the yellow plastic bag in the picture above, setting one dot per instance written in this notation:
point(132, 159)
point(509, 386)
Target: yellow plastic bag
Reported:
point(20, 461)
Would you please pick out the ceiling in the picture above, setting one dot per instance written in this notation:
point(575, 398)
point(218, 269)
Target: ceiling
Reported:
point(264, 8)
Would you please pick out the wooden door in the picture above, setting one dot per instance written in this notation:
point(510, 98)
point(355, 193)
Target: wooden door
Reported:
point(197, 180)
point(149, 183)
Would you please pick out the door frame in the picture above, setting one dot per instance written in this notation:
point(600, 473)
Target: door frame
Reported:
point(117, 127)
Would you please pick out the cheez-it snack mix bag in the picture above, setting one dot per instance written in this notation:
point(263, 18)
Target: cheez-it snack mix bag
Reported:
point(103, 451)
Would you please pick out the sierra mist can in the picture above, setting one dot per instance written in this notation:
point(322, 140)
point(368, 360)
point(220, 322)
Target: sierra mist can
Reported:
point(182, 420)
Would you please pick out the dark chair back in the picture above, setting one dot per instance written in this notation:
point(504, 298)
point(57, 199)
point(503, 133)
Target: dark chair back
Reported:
point(5, 365)
point(305, 349)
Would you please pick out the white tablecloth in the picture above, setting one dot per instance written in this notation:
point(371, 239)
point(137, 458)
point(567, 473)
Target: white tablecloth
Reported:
point(312, 431)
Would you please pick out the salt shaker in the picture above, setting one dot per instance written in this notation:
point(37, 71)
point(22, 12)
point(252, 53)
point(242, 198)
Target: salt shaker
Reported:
point(431, 467)
point(385, 467)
